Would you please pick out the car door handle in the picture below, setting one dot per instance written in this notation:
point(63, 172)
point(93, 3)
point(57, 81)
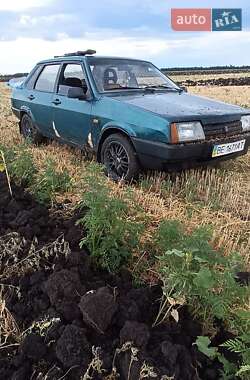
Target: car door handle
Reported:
point(31, 97)
point(56, 102)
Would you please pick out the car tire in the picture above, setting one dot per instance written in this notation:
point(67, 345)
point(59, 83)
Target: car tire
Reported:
point(29, 131)
point(119, 158)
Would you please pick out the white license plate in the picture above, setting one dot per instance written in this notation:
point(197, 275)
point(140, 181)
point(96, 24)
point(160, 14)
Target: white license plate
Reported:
point(223, 149)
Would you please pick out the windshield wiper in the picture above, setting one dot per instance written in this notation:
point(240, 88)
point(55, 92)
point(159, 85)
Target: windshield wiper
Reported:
point(129, 88)
point(144, 88)
point(155, 87)
point(123, 88)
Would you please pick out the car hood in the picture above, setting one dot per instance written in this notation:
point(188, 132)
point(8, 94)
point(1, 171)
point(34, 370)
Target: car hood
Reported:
point(183, 106)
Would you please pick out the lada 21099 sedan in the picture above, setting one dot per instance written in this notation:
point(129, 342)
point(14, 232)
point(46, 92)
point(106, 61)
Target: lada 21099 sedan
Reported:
point(128, 113)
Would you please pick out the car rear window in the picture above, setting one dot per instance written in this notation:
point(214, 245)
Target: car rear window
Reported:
point(47, 78)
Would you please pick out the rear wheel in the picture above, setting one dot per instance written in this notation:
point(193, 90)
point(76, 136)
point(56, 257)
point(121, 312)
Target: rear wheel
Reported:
point(29, 131)
point(119, 158)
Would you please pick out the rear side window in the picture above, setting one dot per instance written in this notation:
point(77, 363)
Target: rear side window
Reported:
point(32, 78)
point(47, 78)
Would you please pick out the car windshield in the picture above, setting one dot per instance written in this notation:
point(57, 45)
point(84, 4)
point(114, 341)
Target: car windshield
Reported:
point(118, 74)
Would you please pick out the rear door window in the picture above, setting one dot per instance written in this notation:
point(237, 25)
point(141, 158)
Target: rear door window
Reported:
point(47, 79)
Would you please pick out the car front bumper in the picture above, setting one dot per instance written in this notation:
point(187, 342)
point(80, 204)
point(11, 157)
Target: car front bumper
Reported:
point(156, 155)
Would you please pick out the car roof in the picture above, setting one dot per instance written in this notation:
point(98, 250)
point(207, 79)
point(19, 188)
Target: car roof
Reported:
point(82, 58)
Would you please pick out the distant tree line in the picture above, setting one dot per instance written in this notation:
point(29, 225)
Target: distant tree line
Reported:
point(201, 68)
point(206, 70)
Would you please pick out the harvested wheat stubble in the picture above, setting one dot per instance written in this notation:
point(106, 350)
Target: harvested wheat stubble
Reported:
point(53, 328)
point(230, 220)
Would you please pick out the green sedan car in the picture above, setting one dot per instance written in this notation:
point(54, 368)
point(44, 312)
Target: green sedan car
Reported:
point(128, 113)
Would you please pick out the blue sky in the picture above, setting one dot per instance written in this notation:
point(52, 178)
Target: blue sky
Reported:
point(31, 30)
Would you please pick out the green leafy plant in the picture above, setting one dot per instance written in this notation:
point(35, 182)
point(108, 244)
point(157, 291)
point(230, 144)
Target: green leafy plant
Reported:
point(239, 345)
point(19, 164)
point(203, 344)
point(112, 233)
point(8, 152)
point(205, 279)
point(22, 168)
point(50, 182)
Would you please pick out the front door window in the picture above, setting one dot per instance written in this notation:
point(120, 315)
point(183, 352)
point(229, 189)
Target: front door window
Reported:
point(72, 76)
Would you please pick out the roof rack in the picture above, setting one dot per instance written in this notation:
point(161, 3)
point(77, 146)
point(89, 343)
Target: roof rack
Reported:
point(78, 53)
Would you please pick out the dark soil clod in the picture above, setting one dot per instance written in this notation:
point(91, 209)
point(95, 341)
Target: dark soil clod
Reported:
point(66, 306)
point(72, 348)
point(33, 347)
point(98, 308)
point(137, 333)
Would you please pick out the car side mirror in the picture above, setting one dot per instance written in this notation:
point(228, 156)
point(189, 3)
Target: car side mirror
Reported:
point(183, 88)
point(76, 93)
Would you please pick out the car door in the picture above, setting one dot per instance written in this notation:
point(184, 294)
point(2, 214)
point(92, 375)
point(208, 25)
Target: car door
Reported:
point(71, 117)
point(41, 96)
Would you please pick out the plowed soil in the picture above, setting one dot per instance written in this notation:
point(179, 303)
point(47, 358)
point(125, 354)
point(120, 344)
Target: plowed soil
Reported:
point(244, 81)
point(58, 311)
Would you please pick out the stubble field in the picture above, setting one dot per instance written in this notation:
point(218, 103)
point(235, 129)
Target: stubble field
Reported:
point(148, 293)
point(216, 196)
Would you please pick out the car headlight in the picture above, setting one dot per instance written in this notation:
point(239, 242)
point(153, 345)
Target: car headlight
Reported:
point(245, 120)
point(186, 131)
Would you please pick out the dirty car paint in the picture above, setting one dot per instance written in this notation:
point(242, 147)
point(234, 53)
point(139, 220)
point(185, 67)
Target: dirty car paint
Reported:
point(183, 106)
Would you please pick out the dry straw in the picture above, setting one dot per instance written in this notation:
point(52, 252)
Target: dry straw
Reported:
point(198, 197)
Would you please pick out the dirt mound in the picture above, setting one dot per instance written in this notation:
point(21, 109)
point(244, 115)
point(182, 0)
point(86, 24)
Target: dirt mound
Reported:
point(64, 318)
point(243, 81)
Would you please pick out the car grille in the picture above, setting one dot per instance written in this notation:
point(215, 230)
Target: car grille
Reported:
point(214, 131)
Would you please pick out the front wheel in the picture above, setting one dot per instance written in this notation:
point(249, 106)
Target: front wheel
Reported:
point(119, 158)
point(29, 131)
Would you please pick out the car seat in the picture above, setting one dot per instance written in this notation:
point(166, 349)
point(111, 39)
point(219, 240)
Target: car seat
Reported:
point(72, 82)
point(109, 78)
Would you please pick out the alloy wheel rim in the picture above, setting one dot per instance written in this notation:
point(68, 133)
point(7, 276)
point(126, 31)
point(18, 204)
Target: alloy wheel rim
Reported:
point(27, 128)
point(116, 160)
